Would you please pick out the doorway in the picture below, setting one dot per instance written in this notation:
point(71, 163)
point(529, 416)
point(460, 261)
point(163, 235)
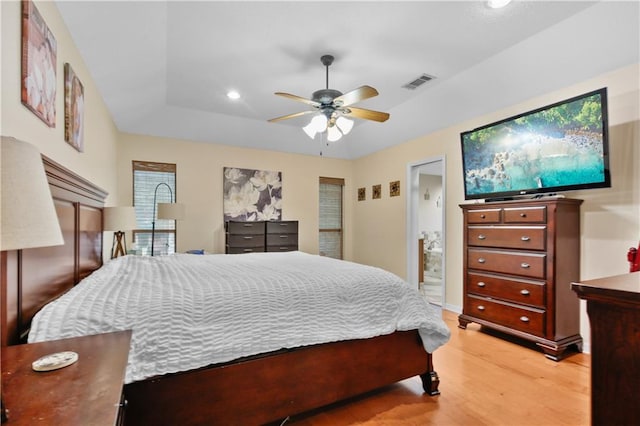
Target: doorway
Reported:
point(426, 228)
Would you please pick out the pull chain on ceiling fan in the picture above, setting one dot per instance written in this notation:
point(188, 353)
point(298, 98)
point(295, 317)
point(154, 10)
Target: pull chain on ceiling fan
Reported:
point(332, 107)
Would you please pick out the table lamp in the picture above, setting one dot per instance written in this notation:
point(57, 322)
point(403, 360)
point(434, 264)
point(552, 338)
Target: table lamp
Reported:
point(119, 219)
point(28, 217)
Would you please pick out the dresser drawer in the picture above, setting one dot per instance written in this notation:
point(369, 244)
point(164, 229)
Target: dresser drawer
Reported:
point(520, 237)
point(242, 240)
point(283, 227)
point(282, 248)
point(536, 214)
point(528, 320)
point(282, 239)
point(484, 216)
point(240, 250)
point(245, 227)
point(514, 290)
point(512, 263)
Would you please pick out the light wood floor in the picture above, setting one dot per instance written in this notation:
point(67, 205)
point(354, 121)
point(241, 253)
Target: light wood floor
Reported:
point(484, 380)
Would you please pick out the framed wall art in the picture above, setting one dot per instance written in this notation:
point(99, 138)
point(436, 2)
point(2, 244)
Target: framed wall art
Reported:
point(394, 188)
point(251, 195)
point(362, 194)
point(376, 192)
point(39, 60)
point(73, 109)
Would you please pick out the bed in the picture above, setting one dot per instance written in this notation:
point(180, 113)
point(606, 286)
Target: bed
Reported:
point(279, 378)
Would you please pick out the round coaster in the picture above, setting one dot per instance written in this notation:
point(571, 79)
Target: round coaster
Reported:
point(54, 361)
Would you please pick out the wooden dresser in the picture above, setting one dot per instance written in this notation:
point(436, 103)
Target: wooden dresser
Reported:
point(250, 237)
point(613, 305)
point(88, 392)
point(520, 258)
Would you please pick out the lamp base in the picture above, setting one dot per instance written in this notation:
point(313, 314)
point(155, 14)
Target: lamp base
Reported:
point(119, 246)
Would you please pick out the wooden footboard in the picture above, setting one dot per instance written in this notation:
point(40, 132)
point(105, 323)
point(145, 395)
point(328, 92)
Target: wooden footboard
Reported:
point(264, 389)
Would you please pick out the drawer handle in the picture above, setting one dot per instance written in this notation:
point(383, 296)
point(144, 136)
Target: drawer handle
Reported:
point(284, 236)
point(525, 265)
point(247, 250)
point(525, 238)
point(523, 215)
point(481, 284)
point(248, 238)
point(524, 292)
point(481, 307)
point(482, 216)
point(524, 319)
point(482, 237)
point(482, 260)
point(248, 225)
point(284, 224)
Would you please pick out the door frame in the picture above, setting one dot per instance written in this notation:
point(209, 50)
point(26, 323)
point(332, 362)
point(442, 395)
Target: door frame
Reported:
point(413, 193)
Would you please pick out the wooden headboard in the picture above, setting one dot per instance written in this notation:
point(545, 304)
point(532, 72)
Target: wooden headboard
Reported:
point(32, 278)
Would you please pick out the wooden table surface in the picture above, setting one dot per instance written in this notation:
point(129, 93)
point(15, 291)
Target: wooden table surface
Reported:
point(87, 392)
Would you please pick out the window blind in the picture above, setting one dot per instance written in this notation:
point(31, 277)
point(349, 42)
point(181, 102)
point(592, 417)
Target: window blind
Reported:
point(330, 217)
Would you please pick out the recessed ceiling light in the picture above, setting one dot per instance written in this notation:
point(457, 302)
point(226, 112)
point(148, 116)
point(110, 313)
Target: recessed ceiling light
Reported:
point(232, 94)
point(497, 4)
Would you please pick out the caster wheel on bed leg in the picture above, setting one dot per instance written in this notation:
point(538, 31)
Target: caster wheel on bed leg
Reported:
point(430, 383)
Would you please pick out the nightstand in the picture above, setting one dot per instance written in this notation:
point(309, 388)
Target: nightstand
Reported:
point(88, 392)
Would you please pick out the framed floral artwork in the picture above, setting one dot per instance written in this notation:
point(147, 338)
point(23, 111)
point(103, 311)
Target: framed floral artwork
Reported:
point(252, 195)
point(73, 109)
point(39, 60)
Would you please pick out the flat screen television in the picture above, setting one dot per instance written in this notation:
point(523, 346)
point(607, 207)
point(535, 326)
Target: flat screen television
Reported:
point(560, 147)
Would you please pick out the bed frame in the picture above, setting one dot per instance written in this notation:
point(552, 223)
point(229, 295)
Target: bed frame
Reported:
point(253, 390)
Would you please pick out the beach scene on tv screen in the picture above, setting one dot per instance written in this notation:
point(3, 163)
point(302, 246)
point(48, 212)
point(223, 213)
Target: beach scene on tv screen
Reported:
point(555, 147)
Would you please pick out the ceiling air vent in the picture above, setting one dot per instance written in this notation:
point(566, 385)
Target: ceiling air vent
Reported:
point(412, 85)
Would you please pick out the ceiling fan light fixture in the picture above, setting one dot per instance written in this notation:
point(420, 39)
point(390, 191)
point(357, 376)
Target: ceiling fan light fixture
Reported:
point(344, 124)
point(310, 130)
point(497, 4)
point(333, 133)
point(318, 124)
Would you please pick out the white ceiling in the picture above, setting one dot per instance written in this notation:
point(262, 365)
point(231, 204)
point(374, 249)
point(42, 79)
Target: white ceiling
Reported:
point(163, 68)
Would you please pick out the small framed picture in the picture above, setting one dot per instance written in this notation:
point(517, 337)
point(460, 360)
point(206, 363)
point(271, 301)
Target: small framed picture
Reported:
point(39, 59)
point(394, 188)
point(376, 191)
point(362, 194)
point(73, 109)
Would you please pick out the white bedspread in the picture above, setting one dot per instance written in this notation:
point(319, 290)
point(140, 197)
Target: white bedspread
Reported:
point(189, 311)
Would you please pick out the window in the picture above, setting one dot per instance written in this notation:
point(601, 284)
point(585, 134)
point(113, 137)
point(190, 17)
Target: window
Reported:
point(331, 217)
point(146, 178)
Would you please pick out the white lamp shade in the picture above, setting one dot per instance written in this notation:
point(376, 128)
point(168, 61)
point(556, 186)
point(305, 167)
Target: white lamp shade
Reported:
point(171, 211)
point(319, 122)
point(310, 130)
point(333, 134)
point(28, 215)
point(119, 218)
point(344, 124)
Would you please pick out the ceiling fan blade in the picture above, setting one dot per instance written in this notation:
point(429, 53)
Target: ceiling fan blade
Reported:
point(299, 99)
point(367, 114)
point(288, 116)
point(356, 95)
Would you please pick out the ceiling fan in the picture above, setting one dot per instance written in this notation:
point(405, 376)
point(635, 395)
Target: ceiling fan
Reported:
point(331, 107)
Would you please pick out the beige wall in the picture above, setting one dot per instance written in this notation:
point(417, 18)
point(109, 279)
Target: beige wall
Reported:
point(609, 217)
point(199, 186)
point(98, 161)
